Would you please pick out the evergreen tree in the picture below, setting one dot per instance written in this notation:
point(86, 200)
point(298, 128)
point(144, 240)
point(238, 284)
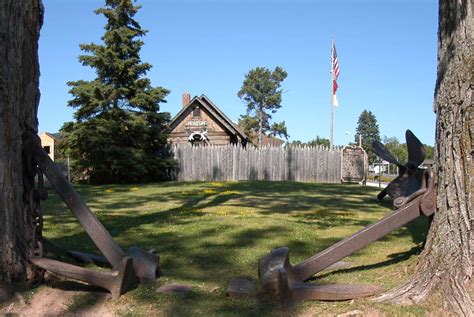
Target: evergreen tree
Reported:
point(262, 93)
point(368, 128)
point(279, 128)
point(319, 141)
point(249, 124)
point(313, 143)
point(118, 135)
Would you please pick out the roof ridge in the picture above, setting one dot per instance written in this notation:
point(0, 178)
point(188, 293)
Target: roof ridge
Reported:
point(207, 102)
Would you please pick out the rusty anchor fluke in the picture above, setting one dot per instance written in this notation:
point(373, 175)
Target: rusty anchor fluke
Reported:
point(409, 176)
point(128, 269)
point(414, 196)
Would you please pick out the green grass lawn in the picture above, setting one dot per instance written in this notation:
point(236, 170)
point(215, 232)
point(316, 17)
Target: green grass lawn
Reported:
point(208, 233)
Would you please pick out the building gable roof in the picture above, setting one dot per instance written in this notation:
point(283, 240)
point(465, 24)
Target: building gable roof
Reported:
point(55, 136)
point(214, 111)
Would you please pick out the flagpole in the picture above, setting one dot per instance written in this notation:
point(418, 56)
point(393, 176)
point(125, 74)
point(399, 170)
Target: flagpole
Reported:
point(332, 125)
point(331, 99)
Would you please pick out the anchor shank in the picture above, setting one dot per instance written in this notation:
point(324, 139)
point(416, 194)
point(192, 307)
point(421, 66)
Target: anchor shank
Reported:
point(357, 241)
point(101, 237)
point(117, 282)
point(74, 272)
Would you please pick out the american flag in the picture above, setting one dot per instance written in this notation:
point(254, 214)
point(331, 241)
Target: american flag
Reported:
point(335, 74)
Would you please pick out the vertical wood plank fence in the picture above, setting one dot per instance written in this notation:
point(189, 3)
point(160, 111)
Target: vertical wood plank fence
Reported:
point(233, 162)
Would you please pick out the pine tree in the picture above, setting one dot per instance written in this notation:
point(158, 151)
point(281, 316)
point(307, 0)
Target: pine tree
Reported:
point(262, 93)
point(318, 141)
point(368, 129)
point(118, 135)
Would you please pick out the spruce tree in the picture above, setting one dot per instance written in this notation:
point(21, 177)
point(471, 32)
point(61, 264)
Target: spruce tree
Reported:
point(368, 129)
point(118, 134)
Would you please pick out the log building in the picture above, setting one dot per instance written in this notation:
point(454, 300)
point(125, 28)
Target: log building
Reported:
point(201, 122)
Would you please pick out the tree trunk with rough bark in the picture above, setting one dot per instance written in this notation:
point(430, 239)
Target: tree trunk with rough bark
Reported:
point(445, 265)
point(20, 23)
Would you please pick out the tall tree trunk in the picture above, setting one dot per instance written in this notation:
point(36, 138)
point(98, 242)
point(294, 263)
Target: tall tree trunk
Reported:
point(446, 263)
point(20, 23)
point(260, 127)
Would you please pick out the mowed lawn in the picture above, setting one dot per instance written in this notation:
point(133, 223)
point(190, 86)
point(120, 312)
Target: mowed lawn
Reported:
point(208, 233)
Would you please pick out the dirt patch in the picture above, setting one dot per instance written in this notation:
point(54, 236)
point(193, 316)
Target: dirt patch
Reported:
point(100, 308)
point(45, 302)
point(60, 298)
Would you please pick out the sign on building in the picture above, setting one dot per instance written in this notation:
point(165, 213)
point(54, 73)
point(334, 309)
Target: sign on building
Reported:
point(201, 122)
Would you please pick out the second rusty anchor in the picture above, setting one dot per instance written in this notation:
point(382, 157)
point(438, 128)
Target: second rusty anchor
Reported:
point(128, 268)
point(414, 195)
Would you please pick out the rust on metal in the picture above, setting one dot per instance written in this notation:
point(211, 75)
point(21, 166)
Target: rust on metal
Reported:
point(399, 217)
point(87, 257)
point(128, 269)
point(414, 195)
point(94, 228)
point(174, 288)
point(241, 287)
point(409, 176)
point(118, 281)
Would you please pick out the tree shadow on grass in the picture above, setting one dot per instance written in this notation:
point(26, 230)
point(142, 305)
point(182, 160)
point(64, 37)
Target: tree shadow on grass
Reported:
point(303, 194)
point(204, 254)
point(202, 250)
point(393, 259)
point(189, 258)
point(266, 197)
point(417, 229)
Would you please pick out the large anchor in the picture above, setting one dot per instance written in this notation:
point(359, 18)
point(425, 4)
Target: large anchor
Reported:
point(414, 195)
point(128, 269)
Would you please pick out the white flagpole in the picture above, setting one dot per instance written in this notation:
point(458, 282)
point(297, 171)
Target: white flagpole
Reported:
point(332, 95)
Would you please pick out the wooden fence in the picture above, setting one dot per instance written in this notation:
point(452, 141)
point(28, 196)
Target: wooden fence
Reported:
point(232, 162)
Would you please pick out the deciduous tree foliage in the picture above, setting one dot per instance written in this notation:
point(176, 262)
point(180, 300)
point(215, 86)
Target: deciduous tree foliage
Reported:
point(400, 151)
point(118, 134)
point(261, 90)
point(368, 128)
point(446, 263)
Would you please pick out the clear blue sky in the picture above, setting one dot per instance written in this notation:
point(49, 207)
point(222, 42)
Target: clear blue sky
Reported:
point(387, 53)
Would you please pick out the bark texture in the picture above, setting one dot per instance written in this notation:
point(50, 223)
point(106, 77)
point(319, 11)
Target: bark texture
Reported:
point(20, 23)
point(446, 263)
